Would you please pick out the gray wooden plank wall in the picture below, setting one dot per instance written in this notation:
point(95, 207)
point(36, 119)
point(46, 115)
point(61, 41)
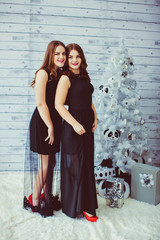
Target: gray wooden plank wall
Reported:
point(27, 26)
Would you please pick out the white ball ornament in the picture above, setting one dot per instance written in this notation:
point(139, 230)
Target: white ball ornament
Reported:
point(98, 156)
point(150, 160)
point(124, 66)
point(142, 122)
point(122, 130)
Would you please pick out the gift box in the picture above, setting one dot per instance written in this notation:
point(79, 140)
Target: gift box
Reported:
point(114, 192)
point(145, 183)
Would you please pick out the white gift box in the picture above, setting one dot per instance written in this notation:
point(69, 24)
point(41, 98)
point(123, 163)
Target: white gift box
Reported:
point(145, 183)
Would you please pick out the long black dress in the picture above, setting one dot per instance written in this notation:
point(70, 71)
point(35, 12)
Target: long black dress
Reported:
point(78, 191)
point(37, 146)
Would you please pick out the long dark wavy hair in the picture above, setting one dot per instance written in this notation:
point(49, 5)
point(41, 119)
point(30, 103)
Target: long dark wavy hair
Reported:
point(83, 66)
point(48, 62)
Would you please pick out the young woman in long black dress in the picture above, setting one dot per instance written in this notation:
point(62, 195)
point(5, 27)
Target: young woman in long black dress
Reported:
point(78, 191)
point(44, 133)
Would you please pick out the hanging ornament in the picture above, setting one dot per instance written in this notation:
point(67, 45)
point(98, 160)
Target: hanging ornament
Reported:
point(126, 153)
point(125, 121)
point(125, 102)
point(124, 74)
point(127, 66)
point(103, 90)
point(98, 156)
point(124, 66)
point(132, 84)
point(130, 64)
point(119, 83)
point(112, 134)
point(130, 136)
point(122, 130)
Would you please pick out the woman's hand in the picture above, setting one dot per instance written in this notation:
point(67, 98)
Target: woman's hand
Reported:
point(94, 126)
point(79, 129)
point(50, 137)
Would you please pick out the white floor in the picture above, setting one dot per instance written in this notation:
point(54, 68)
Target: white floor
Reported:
point(134, 221)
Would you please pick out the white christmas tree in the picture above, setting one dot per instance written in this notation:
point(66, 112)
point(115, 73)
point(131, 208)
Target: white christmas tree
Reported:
point(121, 134)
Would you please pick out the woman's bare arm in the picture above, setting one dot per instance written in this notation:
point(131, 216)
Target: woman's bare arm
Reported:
point(40, 91)
point(95, 119)
point(61, 95)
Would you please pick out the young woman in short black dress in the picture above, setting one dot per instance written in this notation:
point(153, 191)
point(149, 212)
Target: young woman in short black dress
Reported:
point(78, 191)
point(44, 133)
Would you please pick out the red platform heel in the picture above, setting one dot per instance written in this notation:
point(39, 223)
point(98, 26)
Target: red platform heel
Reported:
point(91, 219)
point(34, 208)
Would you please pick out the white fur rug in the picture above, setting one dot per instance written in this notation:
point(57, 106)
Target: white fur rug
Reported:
point(134, 221)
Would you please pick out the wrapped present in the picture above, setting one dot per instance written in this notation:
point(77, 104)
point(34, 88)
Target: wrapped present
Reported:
point(114, 192)
point(145, 183)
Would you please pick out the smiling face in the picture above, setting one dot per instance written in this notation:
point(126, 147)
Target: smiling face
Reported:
point(60, 56)
point(74, 61)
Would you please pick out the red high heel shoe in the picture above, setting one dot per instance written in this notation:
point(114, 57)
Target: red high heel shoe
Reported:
point(42, 197)
point(91, 219)
point(34, 208)
point(30, 199)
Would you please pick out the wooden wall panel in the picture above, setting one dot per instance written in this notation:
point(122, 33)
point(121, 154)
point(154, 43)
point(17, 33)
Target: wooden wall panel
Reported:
point(27, 26)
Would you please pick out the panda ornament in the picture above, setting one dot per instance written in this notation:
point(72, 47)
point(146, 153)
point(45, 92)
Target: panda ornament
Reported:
point(111, 134)
point(103, 90)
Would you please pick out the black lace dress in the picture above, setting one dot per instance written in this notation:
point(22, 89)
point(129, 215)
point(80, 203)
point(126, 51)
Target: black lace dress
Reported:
point(36, 147)
point(78, 191)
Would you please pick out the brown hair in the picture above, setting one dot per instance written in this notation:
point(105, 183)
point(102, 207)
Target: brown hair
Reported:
point(48, 62)
point(83, 66)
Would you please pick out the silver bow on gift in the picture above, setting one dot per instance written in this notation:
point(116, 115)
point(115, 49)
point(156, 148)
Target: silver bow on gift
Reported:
point(146, 180)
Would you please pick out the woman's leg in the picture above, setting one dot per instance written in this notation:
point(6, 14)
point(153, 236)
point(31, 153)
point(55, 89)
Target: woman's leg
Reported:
point(49, 178)
point(40, 179)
